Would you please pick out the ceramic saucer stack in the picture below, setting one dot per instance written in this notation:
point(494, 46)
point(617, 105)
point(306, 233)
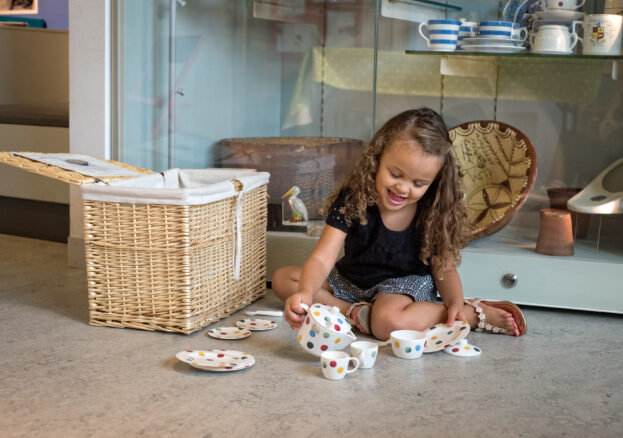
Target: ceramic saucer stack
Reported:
point(493, 45)
point(559, 16)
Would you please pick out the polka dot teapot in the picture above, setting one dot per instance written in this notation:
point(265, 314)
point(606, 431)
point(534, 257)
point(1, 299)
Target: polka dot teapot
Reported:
point(324, 329)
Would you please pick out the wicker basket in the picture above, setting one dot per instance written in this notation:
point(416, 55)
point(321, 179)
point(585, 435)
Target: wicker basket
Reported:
point(161, 266)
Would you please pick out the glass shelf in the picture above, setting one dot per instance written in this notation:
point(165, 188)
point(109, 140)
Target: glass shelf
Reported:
point(515, 240)
point(515, 55)
point(431, 3)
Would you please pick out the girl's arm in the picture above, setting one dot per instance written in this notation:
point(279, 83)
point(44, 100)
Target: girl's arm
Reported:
point(451, 291)
point(314, 273)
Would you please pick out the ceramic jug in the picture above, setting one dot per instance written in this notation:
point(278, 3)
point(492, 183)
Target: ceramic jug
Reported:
point(554, 38)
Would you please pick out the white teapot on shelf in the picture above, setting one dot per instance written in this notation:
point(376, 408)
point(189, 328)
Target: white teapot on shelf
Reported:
point(325, 328)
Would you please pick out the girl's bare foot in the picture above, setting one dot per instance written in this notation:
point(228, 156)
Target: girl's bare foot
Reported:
point(494, 318)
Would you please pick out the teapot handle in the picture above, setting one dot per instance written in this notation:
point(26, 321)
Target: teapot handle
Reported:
point(304, 306)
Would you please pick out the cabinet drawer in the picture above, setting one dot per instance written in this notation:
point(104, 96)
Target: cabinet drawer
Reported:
point(561, 282)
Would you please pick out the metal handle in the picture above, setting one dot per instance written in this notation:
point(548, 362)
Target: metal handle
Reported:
point(509, 280)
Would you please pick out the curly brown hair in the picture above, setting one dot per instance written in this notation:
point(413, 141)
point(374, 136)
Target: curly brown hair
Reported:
point(442, 219)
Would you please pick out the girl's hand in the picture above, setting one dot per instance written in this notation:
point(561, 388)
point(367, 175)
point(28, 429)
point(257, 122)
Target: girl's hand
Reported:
point(293, 312)
point(455, 312)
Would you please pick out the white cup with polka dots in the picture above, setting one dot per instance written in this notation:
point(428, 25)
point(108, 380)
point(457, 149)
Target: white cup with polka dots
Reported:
point(366, 352)
point(408, 344)
point(335, 364)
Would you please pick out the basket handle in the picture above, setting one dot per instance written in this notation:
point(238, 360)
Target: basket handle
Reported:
point(237, 230)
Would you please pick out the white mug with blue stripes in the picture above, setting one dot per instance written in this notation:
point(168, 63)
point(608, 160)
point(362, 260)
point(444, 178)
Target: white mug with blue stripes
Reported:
point(495, 29)
point(442, 34)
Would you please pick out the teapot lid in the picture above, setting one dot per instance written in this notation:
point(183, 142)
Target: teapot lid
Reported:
point(329, 317)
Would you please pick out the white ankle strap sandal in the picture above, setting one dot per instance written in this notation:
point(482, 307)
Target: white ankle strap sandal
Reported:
point(482, 325)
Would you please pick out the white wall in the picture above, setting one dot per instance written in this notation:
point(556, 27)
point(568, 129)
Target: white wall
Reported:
point(33, 89)
point(88, 99)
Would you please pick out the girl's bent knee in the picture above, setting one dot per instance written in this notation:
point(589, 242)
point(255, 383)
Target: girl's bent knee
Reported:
point(383, 323)
point(284, 282)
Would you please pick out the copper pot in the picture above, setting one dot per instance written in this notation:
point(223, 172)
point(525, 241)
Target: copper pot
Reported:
point(555, 233)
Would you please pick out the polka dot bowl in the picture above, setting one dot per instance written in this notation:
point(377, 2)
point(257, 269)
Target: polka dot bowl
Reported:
point(408, 344)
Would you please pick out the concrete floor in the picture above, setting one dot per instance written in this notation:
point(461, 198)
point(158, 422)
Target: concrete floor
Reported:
point(62, 377)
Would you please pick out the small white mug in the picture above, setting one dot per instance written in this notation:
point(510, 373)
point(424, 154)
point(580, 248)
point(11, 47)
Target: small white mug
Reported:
point(365, 352)
point(335, 364)
point(569, 5)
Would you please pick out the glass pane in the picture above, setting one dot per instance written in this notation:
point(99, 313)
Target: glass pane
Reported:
point(142, 83)
point(272, 70)
point(567, 106)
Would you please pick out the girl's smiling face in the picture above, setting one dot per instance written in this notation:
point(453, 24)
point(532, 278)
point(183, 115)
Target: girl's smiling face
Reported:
point(405, 172)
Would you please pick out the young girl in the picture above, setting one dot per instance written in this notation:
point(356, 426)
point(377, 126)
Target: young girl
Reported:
point(400, 219)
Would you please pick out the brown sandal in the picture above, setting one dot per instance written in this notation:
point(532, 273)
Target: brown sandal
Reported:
point(362, 319)
point(507, 306)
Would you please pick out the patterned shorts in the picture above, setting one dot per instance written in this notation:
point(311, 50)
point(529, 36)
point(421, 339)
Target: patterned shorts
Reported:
point(418, 287)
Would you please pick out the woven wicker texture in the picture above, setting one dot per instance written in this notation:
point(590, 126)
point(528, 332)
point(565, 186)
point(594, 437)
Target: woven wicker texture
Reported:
point(67, 176)
point(170, 268)
point(499, 168)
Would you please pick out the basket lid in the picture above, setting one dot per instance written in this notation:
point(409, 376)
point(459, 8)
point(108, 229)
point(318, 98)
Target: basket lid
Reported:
point(61, 166)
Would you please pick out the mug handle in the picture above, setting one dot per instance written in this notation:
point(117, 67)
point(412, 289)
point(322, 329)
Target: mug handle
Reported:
point(581, 4)
point(532, 38)
point(524, 31)
point(574, 38)
point(350, 370)
point(422, 24)
point(575, 23)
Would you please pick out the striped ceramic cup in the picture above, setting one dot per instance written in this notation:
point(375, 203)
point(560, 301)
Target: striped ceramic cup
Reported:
point(442, 34)
point(495, 29)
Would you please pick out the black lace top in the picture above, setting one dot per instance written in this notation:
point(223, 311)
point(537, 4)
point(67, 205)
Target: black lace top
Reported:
point(373, 253)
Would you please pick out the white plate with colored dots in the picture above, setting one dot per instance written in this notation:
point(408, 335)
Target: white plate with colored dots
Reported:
point(229, 333)
point(462, 349)
point(256, 324)
point(217, 360)
point(441, 336)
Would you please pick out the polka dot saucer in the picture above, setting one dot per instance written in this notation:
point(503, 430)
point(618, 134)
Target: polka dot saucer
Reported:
point(216, 360)
point(441, 336)
point(229, 333)
point(462, 349)
point(256, 324)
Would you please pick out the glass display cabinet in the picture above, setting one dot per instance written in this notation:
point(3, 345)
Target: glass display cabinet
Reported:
point(297, 87)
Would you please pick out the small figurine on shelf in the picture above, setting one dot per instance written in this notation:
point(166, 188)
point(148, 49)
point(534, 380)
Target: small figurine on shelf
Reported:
point(298, 212)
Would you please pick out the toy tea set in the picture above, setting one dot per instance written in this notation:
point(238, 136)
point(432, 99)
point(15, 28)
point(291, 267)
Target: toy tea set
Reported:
point(325, 333)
